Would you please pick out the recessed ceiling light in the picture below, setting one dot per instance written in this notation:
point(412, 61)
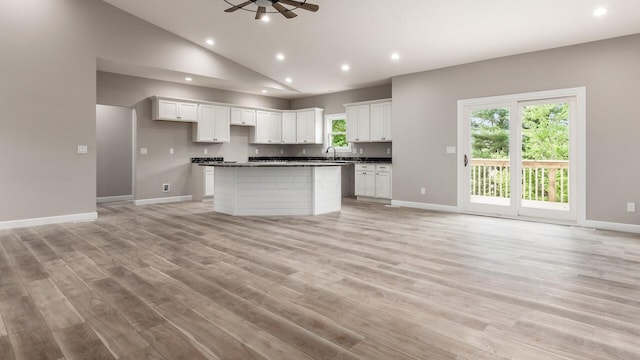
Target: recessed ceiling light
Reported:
point(188, 78)
point(280, 57)
point(288, 80)
point(601, 11)
point(210, 41)
point(395, 56)
point(265, 18)
point(345, 67)
point(264, 91)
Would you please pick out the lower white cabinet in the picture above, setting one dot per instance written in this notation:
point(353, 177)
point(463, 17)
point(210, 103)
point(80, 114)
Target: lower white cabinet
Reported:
point(208, 181)
point(373, 181)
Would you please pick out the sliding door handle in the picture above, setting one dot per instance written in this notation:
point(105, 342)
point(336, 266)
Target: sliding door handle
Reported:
point(466, 160)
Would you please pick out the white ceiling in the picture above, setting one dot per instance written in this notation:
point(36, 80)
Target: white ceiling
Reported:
point(427, 34)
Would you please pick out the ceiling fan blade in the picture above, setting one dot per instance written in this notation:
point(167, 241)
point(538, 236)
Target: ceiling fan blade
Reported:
point(234, 8)
point(284, 11)
point(310, 7)
point(262, 11)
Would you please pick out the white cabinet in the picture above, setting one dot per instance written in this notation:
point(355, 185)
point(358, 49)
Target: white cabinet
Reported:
point(383, 181)
point(365, 178)
point(165, 109)
point(208, 180)
point(358, 123)
point(268, 129)
point(243, 117)
point(373, 181)
point(380, 118)
point(289, 127)
point(212, 125)
point(309, 126)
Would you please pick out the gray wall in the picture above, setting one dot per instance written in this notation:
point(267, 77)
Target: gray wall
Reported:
point(114, 141)
point(48, 95)
point(158, 166)
point(425, 116)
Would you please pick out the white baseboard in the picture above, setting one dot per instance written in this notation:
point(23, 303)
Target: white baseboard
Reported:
point(106, 199)
point(605, 225)
point(163, 200)
point(425, 206)
point(48, 220)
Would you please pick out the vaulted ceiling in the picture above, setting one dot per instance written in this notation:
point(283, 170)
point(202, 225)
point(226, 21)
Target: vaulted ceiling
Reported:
point(363, 34)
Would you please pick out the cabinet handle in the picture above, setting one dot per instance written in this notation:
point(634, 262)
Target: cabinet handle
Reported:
point(244, 122)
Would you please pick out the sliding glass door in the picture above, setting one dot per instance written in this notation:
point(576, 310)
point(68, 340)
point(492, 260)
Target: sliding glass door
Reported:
point(518, 157)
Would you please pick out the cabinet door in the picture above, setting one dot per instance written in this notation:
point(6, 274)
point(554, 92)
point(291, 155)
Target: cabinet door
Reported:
point(306, 129)
point(289, 128)
point(383, 185)
point(187, 112)
point(388, 117)
point(208, 182)
point(248, 117)
point(222, 118)
point(369, 184)
point(167, 110)
point(275, 128)
point(377, 122)
point(352, 123)
point(236, 116)
point(363, 123)
point(203, 130)
point(262, 127)
point(359, 183)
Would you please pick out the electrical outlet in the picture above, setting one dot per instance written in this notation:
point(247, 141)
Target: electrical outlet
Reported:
point(631, 207)
point(388, 150)
point(355, 151)
point(206, 151)
point(82, 149)
point(256, 151)
point(304, 151)
point(281, 151)
point(171, 151)
point(166, 187)
point(361, 150)
point(143, 151)
point(423, 191)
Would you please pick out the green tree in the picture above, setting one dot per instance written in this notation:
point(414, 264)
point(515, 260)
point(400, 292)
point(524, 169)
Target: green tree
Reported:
point(490, 133)
point(545, 132)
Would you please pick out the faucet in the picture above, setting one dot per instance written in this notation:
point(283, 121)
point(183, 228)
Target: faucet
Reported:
point(334, 151)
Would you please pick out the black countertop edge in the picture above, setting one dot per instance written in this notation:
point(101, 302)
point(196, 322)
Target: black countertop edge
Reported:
point(198, 160)
point(322, 158)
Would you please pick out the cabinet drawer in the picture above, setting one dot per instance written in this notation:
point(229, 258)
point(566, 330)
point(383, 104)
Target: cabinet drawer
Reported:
point(362, 167)
point(383, 167)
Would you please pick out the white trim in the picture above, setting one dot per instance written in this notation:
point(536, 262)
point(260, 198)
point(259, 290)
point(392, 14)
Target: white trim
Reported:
point(163, 200)
point(48, 220)
point(107, 199)
point(605, 225)
point(327, 133)
point(426, 206)
point(369, 102)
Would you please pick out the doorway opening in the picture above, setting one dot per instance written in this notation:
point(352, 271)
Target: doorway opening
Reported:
point(115, 160)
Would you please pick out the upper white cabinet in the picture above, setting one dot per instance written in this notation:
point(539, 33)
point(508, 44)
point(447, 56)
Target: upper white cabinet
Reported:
point(167, 109)
point(369, 121)
point(309, 126)
point(358, 123)
point(268, 129)
point(289, 127)
point(243, 117)
point(381, 121)
point(212, 125)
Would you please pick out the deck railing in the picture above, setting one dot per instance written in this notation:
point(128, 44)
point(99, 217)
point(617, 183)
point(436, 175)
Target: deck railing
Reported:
point(542, 180)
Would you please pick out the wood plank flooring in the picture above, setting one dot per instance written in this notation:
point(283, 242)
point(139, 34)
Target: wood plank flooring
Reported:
point(178, 281)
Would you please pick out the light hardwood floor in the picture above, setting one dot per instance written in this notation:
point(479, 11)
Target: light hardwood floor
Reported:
point(178, 281)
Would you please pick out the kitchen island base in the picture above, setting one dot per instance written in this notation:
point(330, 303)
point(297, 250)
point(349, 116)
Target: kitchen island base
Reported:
point(282, 190)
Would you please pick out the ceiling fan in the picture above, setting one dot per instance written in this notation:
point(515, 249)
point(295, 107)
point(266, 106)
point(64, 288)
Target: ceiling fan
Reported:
point(276, 4)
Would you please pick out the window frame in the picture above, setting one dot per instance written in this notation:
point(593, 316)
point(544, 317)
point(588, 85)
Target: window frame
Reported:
point(328, 122)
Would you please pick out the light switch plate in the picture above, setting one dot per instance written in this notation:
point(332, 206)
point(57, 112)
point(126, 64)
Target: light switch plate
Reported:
point(206, 151)
point(143, 151)
point(631, 207)
point(171, 151)
point(451, 149)
point(82, 149)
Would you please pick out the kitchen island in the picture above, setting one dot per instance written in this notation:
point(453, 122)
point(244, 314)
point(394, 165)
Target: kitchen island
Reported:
point(277, 188)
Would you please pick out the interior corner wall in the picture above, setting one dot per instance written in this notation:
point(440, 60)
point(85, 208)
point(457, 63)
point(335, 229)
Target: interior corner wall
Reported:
point(47, 97)
point(425, 120)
